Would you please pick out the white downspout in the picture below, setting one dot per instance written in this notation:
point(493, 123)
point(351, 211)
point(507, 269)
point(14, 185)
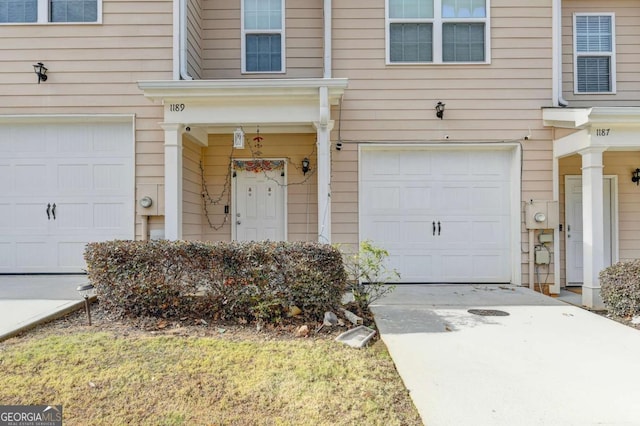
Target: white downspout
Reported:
point(558, 100)
point(328, 25)
point(184, 74)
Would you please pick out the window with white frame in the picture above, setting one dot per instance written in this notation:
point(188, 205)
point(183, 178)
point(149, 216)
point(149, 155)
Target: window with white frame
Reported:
point(594, 53)
point(437, 31)
point(263, 36)
point(47, 11)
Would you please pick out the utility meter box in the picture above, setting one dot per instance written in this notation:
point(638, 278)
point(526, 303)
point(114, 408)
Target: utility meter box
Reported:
point(150, 199)
point(541, 214)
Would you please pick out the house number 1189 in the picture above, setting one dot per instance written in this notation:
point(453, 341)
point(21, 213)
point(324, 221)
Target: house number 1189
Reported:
point(602, 132)
point(176, 107)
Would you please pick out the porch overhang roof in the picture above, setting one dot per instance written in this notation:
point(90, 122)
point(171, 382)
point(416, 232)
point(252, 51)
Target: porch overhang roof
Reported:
point(606, 128)
point(580, 118)
point(220, 106)
point(302, 88)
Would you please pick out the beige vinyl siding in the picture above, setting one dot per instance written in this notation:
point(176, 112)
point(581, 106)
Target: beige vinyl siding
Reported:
point(302, 198)
point(221, 52)
point(192, 216)
point(616, 163)
point(94, 69)
point(627, 21)
point(496, 102)
point(194, 38)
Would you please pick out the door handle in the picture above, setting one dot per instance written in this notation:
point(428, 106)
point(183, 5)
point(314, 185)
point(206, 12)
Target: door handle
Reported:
point(48, 211)
point(238, 222)
point(438, 227)
point(53, 211)
point(434, 227)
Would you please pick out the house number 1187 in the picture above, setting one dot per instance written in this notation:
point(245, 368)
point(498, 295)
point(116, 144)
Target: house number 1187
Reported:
point(602, 132)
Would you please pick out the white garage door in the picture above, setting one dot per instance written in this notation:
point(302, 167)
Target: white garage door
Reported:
point(444, 216)
point(61, 186)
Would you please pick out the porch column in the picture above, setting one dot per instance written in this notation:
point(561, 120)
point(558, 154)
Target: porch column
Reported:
point(593, 225)
point(172, 181)
point(324, 126)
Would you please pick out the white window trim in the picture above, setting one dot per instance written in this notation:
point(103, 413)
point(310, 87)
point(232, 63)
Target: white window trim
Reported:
point(43, 16)
point(611, 55)
point(437, 21)
point(243, 42)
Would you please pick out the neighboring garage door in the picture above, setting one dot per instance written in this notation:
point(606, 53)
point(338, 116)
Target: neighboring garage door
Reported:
point(62, 186)
point(443, 215)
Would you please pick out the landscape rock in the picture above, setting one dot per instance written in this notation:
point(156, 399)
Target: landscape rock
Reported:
point(302, 331)
point(330, 319)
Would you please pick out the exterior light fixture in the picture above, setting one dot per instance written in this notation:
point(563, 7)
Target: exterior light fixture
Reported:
point(635, 176)
point(86, 291)
point(238, 138)
point(41, 71)
point(440, 110)
point(305, 165)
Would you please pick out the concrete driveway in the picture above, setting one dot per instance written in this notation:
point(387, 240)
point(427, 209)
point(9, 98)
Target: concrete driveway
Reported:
point(546, 363)
point(28, 300)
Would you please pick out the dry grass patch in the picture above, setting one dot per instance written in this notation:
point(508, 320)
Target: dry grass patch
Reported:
point(111, 378)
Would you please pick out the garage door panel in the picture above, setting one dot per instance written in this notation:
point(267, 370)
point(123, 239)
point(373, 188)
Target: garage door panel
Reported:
point(63, 164)
point(414, 265)
point(23, 140)
point(31, 178)
point(418, 198)
point(73, 178)
point(490, 267)
point(455, 198)
point(29, 217)
point(32, 254)
point(386, 230)
point(6, 179)
point(70, 254)
point(495, 193)
point(73, 216)
point(383, 198)
point(466, 192)
point(417, 232)
point(109, 177)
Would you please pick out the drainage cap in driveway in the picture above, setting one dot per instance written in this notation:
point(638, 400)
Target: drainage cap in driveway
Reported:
point(488, 312)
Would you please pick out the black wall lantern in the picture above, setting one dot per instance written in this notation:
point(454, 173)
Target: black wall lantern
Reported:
point(440, 110)
point(635, 176)
point(41, 71)
point(305, 165)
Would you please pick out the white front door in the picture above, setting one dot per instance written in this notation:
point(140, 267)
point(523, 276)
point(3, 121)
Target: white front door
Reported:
point(259, 200)
point(574, 229)
point(443, 215)
point(62, 186)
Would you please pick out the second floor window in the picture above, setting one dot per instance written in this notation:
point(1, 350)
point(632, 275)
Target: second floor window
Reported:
point(594, 53)
point(437, 31)
point(263, 36)
point(46, 11)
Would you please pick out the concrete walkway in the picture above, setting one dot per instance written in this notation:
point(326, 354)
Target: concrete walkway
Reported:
point(28, 300)
point(546, 363)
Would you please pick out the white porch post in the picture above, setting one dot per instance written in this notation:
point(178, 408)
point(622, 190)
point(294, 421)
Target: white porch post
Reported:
point(173, 181)
point(324, 126)
point(593, 225)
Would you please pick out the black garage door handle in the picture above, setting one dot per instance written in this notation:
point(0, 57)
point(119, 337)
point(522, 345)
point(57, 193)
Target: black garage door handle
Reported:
point(48, 211)
point(53, 211)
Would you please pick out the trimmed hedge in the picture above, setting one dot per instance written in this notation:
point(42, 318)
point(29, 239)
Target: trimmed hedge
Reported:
point(620, 288)
point(228, 280)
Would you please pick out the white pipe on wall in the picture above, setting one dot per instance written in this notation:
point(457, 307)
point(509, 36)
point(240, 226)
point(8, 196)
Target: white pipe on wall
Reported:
point(184, 73)
point(328, 25)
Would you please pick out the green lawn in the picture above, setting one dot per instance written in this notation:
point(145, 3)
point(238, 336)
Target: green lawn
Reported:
point(106, 378)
